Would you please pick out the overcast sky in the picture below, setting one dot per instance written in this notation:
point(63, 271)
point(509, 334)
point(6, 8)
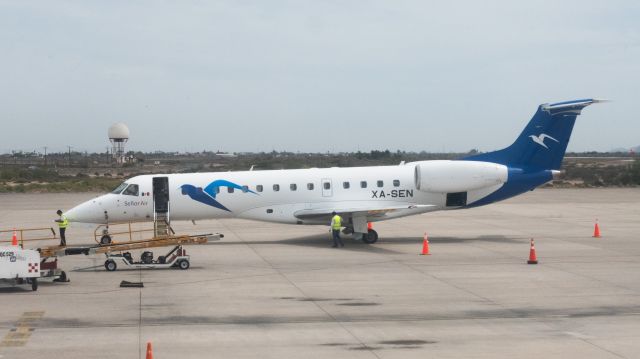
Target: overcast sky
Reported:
point(313, 75)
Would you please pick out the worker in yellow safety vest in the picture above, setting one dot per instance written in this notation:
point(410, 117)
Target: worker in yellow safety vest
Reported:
point(336, 225)
point(62, 226)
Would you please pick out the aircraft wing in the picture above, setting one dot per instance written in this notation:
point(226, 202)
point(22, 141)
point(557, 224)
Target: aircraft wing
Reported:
point(376, 211)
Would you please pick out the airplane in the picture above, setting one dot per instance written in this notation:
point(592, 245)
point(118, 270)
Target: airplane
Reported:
point(360, 195)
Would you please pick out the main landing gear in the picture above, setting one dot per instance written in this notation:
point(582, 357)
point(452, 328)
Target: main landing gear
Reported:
point(371, 237)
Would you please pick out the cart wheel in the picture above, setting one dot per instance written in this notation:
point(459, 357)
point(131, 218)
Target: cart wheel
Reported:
point(63, 277)
point(34, 284)
point(184, 264)
point(110, 265)
point(106, 239)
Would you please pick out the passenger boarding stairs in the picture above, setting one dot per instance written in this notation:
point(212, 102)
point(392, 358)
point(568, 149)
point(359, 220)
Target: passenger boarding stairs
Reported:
point(161, 225)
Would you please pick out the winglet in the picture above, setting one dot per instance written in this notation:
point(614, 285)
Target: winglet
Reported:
point(575, 105)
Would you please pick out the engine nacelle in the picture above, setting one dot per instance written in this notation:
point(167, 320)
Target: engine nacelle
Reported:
point(458, 176)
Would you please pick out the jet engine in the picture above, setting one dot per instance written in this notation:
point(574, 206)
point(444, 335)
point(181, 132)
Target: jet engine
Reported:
point(458, 176)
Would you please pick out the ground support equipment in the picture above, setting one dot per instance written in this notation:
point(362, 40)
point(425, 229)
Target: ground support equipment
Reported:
point(176, 258)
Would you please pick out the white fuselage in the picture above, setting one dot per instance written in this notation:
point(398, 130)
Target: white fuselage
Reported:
point(360, 195)
point(302, 196)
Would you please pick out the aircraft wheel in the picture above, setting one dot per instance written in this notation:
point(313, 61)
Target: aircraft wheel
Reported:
point(183, 264)
point(110, 265)
point(371, 237)
point(106, 239)
point(34, 284)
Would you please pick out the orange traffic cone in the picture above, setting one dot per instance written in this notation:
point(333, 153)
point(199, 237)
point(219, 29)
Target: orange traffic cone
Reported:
point(149, 351)
point(532, 254)
point(425, 245)
point(14, 239)
point(596, 230)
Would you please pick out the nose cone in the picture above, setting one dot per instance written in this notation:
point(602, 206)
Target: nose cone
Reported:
point(88, 212)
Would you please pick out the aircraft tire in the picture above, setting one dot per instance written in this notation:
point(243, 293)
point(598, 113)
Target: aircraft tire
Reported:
point(105, 239)
point(371, 237)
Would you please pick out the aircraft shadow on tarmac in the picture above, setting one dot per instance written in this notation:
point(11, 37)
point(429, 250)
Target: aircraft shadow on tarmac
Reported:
point(324, 241)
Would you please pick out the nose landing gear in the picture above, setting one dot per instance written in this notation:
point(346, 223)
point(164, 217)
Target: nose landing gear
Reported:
point(105, 239)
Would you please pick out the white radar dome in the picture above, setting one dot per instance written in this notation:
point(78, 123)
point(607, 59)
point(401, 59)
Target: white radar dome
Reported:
point(119, 131)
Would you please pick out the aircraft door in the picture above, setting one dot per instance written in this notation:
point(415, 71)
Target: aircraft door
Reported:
point(161, 194)
point(327, 188)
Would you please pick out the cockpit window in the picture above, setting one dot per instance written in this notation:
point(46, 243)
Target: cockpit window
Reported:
point(119, 189)
point(132, 190)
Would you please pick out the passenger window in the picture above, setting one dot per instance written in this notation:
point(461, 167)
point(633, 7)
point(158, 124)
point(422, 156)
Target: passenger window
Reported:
point(363, 184)
point(396, 183)
point(132, 190)
point(327, 185)
point(230, 189)
point(245, 189)
point(346, 185)
point(380, 183)
point(259, 188)
point(293, 187)
point(310, 186)
point(276, 187)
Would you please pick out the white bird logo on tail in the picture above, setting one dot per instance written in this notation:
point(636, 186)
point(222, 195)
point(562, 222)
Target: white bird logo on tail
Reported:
point(540, 139)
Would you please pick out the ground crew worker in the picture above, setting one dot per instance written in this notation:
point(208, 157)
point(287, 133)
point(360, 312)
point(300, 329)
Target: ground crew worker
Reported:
point(62, 225)
point(336, 225)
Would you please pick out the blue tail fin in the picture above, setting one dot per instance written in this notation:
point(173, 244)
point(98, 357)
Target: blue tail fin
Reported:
point(542, 144)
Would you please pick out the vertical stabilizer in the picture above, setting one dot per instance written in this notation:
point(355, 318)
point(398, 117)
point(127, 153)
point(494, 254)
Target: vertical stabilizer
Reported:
point(542, 144)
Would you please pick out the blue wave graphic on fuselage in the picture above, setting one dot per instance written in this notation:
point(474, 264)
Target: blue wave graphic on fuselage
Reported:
point(208, 194)
point(197, 194)
point(212, 188)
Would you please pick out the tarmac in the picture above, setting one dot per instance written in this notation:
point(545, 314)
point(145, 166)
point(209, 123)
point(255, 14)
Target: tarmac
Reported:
point(276, 291)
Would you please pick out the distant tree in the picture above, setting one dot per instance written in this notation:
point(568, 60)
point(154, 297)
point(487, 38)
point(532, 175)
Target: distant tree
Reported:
point(635, 172)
